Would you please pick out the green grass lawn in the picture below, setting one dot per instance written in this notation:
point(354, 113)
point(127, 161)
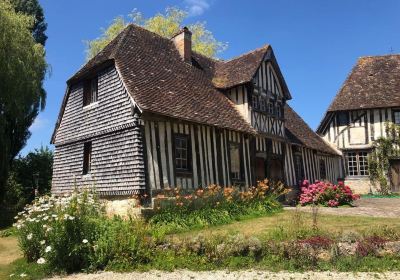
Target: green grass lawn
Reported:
point(285, 219)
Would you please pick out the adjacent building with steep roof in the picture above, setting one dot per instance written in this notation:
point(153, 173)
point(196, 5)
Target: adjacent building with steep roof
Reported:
point(148, 113)
point(369, 97)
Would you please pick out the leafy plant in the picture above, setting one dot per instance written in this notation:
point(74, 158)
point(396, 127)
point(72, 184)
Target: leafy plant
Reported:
point(213, 205)
point(326, 194)
point(385, 148)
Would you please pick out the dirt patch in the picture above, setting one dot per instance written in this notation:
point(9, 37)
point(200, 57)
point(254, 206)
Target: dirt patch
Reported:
point(9, 250)
point(371, 207)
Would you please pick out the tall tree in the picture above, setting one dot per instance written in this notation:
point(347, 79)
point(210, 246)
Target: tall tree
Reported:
point(33, 9)
point(22, 69)
point(166, 25)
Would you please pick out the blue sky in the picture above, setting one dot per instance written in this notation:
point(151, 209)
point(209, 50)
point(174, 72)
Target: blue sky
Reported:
point(316, 42)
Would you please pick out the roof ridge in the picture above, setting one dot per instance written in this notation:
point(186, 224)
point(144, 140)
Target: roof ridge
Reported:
point(246, 53)
point(381, 55)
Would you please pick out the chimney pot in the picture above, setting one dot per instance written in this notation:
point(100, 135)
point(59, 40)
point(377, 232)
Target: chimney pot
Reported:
point(183, 43)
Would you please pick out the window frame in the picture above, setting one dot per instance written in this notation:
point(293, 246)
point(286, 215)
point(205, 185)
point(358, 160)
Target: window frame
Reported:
point(188, 150)
point(357, 163)
point(90, 91)
point(235, 176)
point(394, 116)
point(87, 158)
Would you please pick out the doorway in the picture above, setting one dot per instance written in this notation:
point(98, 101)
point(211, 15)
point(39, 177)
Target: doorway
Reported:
point(260, 169)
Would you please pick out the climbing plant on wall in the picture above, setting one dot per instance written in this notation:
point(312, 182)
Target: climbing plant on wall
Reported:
point(385, 148)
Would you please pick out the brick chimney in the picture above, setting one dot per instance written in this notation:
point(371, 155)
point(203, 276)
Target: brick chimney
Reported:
point(183, 43)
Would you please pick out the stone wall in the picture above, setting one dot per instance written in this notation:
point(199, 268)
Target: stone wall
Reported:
point(360, 185)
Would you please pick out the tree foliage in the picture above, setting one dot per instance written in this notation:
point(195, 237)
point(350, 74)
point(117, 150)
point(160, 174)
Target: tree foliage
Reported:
point(27, 173)
point(22, 70)
point(166, 25)
point(385, 148)
point(33, 9)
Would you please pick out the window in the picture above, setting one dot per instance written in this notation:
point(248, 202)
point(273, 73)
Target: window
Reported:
point(87, 157)
point(271, 108)
point(182, 153)
point(396, 117)
point(262, 104)
point(255, 101)
point(357, 163)
point(343, 118)
point(89, 91)
point(298, 165)
point(279, 111)
point(235, 160)
point(322, 169)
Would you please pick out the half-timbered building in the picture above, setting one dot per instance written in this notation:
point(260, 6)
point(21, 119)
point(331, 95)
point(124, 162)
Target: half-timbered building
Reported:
point(368, 99)
point(148, 113)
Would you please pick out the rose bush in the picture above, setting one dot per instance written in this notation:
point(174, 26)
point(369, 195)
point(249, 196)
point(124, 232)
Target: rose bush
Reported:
point(326, 194)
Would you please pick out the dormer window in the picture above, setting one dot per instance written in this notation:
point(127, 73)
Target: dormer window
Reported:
point(89, 91)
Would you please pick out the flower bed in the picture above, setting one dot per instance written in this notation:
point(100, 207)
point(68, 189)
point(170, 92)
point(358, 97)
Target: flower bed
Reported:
point(213, 205)
point(326, 194)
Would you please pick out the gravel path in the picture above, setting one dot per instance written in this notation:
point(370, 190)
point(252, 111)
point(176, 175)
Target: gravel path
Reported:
point(372, 207)
point(221, 274)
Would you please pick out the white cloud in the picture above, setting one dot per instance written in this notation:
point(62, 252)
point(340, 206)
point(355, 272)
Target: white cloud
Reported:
point(197, 7)
point(38, 124)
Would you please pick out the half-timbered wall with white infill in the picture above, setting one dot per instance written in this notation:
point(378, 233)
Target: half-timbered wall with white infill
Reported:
point(240, 96)
point(267, 102)
point(357, 129)
point(312, 168)
point(290, 172)
point(209, 155)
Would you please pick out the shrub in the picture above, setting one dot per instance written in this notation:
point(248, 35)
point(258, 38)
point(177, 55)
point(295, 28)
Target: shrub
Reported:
point(60, 231)
point(213, 205)
point(326, 194)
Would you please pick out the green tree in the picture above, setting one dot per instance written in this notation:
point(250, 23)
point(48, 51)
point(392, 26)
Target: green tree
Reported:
point(27, 173)
point(33, 9)
point(167, 24)
point(22, 69)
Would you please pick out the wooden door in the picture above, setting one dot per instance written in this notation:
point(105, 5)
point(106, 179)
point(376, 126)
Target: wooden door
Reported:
point(260, 168)
point(276, 170)
point(394, 173)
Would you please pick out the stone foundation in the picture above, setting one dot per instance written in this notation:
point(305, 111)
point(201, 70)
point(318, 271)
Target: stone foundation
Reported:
point(360, 185)
point(121, 206)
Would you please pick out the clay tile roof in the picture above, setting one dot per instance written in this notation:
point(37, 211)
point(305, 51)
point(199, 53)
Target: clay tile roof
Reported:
point(238, 70)
point(374, 82)
point(298, 132)
point(160, 82)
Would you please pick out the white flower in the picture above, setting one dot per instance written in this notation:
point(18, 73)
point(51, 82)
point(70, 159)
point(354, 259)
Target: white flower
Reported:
point(84, 241)
point(71, 218)
point(29, 237)
point(23, 275)
point(42, 242)
point(48, 229)
point(11, 275)
point(41, 261)
point(48, 249)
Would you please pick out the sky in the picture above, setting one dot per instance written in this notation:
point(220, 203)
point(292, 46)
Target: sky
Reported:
point(315, 42)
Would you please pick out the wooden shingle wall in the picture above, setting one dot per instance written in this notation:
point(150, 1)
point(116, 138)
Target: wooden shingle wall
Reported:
point(117, 163)
point(112, 111)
